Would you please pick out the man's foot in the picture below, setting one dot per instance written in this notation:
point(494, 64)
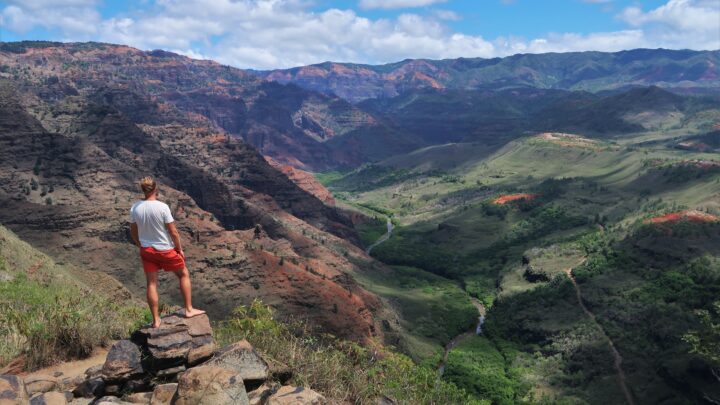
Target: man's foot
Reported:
point(156, 325)
point(193, 312)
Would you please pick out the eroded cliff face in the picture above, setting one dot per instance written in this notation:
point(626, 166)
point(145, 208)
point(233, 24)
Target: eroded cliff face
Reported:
point(74, 139)
point(304, 180)
point(288, 123)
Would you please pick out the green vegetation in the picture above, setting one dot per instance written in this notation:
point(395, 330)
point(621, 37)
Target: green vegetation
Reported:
point(650, 287)
point(477, 366)
point(371, 230)
point(343, 371)
point(46, 315)
point(433, 309)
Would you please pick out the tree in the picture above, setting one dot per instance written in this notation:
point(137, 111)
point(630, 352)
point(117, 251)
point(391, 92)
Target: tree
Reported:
point(706, 340)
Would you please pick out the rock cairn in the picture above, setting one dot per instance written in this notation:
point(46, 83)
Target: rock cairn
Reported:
point(177, 363)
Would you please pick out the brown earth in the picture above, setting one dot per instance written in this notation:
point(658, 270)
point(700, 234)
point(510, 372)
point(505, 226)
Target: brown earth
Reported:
point(288, 123)
point(73, 145)
point(304, 180)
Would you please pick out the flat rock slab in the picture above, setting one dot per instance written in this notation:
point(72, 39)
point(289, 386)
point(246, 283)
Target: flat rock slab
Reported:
point(289, 395)
point(123, 362)
point(163, 394)
point(261, 394)
point(40, 383)
point(244, 360)
point(12, 390)
point(139, 398)
point(210, 385)
point(179, 341)
point(49, 398)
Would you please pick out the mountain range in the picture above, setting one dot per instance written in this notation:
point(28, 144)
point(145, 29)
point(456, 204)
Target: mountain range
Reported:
point(682, 70)
point(570, 198)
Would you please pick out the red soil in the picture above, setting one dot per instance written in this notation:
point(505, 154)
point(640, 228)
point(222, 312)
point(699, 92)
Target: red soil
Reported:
point(688, 215)
point(504, 199)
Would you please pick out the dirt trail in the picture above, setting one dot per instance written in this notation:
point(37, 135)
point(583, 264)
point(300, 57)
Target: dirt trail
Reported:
point(73, 368)
point(617, 358)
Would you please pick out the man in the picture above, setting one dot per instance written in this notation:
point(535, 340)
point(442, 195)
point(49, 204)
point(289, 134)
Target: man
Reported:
point(154, 232)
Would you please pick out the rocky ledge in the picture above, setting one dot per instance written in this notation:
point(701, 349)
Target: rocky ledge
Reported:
point(177, 363)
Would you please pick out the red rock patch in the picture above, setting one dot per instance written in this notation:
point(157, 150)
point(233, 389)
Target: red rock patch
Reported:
point(504, 199)
point(687, 215)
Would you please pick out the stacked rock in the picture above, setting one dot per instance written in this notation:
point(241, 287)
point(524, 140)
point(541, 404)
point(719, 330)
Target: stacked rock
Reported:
point(176, 363)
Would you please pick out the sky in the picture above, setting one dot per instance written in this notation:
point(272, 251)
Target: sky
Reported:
point(268, 34)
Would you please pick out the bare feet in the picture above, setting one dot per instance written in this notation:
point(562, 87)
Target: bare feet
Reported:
point(156, 325)
point(193, 312)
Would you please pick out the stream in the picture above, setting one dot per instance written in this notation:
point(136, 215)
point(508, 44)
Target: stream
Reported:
point(477, 330)
point(383, 238)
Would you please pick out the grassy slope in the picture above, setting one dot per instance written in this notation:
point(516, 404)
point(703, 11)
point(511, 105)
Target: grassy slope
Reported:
point(448, 227)
point(48, 314)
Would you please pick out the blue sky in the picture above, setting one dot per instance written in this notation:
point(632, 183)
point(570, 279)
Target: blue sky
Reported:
point(282, 33)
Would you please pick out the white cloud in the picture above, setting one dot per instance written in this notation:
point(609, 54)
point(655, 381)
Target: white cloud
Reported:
point(266, 34)
point(71, 16)
point(447, 15)
point(390, 4)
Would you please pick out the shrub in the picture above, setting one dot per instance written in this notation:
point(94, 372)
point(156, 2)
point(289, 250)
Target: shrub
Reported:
point(342, 370)
point(55, 322)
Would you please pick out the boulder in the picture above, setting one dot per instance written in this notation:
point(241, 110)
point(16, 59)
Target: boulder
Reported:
point(242, 358)
point(109, 400)
point(70, 383)
point(163, 394)
point(210, 385)
point(179, 341)
point(289, 395)
point(139, 398)
point(123, 362)
point(40, 384)
point(261, 395)
point(90, 388)
point(49, 398)
point(12, 390)
point(94, 371)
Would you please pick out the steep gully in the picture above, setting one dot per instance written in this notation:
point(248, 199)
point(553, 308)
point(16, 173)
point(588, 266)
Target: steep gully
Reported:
point(617, 358)
point(457, 339)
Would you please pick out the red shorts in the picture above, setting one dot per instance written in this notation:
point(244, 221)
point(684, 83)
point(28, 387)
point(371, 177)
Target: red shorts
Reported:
point(154, 260)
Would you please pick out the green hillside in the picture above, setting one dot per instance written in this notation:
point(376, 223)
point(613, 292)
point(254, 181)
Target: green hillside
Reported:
point(586, 213)
point(49, 312)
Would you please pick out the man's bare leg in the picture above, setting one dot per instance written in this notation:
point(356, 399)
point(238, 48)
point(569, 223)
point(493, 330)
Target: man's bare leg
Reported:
point(152, 297)
point(186, 291)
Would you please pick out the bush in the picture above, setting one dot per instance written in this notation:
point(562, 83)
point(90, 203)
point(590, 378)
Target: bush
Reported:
point(342, 370)
point(51, 323)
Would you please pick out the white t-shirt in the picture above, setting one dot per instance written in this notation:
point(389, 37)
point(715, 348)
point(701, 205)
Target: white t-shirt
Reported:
point(151, 217)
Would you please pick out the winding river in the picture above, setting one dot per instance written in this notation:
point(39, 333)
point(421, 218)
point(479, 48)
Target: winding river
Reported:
point(476, 330)
point(383, 238)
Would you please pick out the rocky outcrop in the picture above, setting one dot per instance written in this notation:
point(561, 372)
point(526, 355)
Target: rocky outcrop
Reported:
point(177, 344)
point(177, 364)
point(243, 359)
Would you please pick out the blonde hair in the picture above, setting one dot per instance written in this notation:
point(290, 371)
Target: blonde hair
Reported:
point(147, 184)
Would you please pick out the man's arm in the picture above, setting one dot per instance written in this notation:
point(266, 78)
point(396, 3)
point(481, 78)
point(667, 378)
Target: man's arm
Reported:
point(175, 236)
point(134, 233)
